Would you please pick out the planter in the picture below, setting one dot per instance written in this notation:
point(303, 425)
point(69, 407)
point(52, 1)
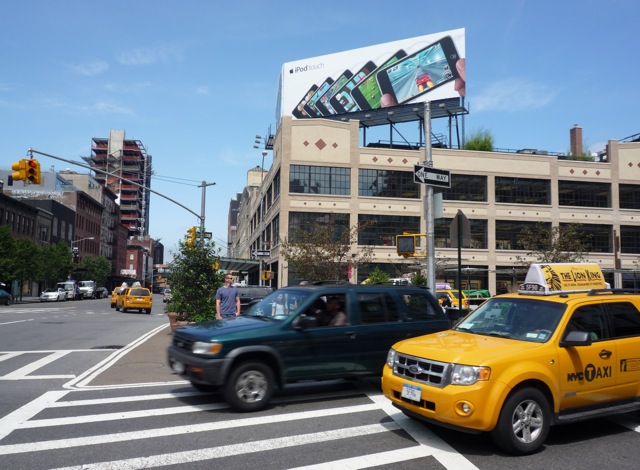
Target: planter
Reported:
point(175, 323)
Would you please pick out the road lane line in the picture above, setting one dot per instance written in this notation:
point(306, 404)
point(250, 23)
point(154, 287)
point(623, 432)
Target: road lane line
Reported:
point(23, 372)
point(199, 455)
point(17, 418)
point(177, 430)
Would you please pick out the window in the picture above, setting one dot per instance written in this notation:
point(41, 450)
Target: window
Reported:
point(625, 319)
point(381, 230)
point(508, 232)
point(629, 196)
point(320, 180)
point(523, 191)
point(377, 308)
point(584, 194)
point(466, 188)
point(478, 228)
point(381, 183)
point(309, 220)
point(589, 318)
point(418, 307)
point(599, 238)
point(630, 239)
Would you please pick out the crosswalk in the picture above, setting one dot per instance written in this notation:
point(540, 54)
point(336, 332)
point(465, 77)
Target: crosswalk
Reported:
point(109, 429)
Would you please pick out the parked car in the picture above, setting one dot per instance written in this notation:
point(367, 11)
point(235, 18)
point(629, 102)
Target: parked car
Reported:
point(251, 355)
point(250, 295)
point(102, 293)
point(135, 298)
point(166, 295)
point(5, 297)
point(53, 295)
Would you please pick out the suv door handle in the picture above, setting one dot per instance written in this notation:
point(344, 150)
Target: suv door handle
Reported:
point(605, 354)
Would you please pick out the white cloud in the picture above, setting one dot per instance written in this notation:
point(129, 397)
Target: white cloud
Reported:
point(202, 90)
point(95, 67)
point(513, 94)
point(150, 55)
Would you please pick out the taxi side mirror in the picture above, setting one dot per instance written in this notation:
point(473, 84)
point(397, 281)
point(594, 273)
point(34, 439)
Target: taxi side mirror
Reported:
point(576, 338)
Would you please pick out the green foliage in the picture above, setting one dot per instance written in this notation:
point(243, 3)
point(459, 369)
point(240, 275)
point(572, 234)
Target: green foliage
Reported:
point(194, 280)
point(54, 264)
point(419, 280)
point(7, 250)
point(378, 276)
point(322, 252)
point(94, 268)
point(480, 140)
point(546, 244)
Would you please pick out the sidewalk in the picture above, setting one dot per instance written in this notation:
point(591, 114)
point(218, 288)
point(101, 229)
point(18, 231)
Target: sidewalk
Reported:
point(145, 362)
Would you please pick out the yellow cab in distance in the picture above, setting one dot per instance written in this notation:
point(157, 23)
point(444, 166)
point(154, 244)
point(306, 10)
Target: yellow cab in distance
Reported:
point(116, 292)
point(453, 295)
point(565, 348)
point(135, 298)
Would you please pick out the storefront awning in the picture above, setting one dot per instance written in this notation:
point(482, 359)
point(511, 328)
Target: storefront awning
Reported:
point(238, 264)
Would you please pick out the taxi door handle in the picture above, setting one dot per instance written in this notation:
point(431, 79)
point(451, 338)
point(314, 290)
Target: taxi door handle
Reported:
point(605, 354)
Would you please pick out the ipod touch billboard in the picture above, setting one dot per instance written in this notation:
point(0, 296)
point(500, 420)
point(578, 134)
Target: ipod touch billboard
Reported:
point(419, 69)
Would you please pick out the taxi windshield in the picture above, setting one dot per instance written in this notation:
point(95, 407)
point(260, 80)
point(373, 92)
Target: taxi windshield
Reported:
point(279, 305)
point(531, 320)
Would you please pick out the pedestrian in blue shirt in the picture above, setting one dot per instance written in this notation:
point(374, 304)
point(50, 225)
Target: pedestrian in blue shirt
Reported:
point(227, 300)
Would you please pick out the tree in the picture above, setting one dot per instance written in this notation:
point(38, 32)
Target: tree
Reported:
point(480, 140)
point(561, 244)
point(54, 263)
point(94, 268)
point(378, 276)
point(194, 280)
point(419, 280)
point(7, 250)
point(321, 252)
point(25, 257)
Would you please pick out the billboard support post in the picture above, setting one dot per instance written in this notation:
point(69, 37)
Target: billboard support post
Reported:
point(428, 202)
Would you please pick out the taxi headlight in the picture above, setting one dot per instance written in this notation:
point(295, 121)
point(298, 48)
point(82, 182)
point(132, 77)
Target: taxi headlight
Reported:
point(469, 375)
point(391, 357)
point(207, 349)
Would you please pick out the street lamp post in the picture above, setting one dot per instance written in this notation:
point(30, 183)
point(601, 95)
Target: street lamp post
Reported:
point(260, 208)
point(75, 249)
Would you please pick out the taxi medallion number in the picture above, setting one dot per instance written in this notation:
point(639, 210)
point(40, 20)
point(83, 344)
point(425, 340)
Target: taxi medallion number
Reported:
point(411, 392)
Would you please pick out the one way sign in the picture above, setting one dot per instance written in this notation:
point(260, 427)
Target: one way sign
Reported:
point(426, 175)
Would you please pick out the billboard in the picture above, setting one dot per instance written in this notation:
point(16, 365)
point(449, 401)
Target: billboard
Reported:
point(419, 69)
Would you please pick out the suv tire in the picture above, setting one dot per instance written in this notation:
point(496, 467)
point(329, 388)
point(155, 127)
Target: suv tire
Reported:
point(249, 387)
point(524, 422)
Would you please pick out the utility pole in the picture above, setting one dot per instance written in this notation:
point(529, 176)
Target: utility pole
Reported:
point(428, 202)
point(202, 214)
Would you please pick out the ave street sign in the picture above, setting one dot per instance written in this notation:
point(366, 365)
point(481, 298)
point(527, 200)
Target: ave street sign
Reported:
point(207, 235)
point(261, 253)
point(426, 175)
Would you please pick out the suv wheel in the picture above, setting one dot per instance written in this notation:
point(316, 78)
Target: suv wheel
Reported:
point(250, 386)
point(524, 422)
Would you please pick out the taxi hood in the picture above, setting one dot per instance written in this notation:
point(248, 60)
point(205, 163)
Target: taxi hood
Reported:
point(464, 348)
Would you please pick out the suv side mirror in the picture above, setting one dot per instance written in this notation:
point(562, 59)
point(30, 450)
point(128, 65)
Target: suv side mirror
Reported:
point(576, 338)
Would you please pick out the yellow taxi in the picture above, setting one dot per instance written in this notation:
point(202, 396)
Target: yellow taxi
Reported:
point(564, 348)
point(135, 298)
point(114, 295)
point(454, 295)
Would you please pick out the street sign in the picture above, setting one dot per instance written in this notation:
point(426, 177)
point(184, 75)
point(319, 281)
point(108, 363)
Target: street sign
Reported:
point(431, 176)
point(261, 253)
point(207, 235)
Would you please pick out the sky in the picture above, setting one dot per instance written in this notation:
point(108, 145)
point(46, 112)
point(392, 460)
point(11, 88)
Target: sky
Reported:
point(195, 80)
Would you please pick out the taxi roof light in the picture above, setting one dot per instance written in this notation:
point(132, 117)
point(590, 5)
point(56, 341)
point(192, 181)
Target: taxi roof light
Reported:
point(562, 278)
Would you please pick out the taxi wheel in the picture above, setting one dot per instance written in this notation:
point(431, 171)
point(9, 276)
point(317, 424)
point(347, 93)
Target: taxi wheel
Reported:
point(524, 422)
point(148, 311)
point(250, 386)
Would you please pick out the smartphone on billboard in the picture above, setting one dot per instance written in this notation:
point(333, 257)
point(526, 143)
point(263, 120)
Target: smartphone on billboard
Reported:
point(299, 111)
point(323, 105)
point(342, 101)
point(367, 93)
point(420, 72)
point(310, 107)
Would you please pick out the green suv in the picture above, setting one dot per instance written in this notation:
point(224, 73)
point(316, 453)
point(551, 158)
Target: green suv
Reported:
point(316, 332)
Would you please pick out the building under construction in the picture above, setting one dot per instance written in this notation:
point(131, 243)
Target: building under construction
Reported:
point(125, 168)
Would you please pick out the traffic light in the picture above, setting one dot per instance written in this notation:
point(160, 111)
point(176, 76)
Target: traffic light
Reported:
point(191, 236)
point(33, 170)
point(405, 245)
point(20, 170)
